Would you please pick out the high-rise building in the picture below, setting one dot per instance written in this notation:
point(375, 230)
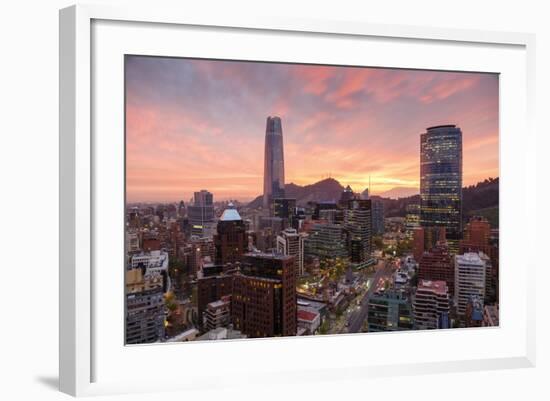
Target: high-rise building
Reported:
point(470, 271)
point(144, 307)
point(201, 214)
point(437, 265)
point(263, 303)
point(290, 242)
point(441, 179)
point(231, 239)
point(377, 217)
point(274, 165)
point(431, 305)
point(390, 310)
point(358, 226)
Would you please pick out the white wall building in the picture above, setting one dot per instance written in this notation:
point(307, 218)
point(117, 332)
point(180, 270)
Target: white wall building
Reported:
point(154, 261)
point(290, 242)
point(470, 271)
point(431, 305)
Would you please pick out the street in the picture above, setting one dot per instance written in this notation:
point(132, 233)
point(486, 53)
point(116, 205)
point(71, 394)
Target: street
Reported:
point(357, 318)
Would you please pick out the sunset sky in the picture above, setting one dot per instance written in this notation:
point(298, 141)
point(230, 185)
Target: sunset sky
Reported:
point(200, 124)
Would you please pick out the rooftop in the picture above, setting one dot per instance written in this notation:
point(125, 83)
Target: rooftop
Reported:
point(306, 315)
point(437, 286)
point(230, 214)
point(470, 258)
point(441, 126)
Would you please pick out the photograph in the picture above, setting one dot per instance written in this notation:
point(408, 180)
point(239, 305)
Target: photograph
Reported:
point(270, 199)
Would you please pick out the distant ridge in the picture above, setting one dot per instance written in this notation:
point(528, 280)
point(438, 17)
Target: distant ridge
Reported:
point(399, 192)
point(483, 195)
point(328, 189)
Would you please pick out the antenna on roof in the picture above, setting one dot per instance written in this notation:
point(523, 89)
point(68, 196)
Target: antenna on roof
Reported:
point(370, 191)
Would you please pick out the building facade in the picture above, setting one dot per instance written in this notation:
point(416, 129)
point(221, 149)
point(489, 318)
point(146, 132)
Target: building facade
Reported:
point(441, 179)
point(431, 305)
point(437, 265)
point(326, 241)
point(470, 271)
point(144, 307)
point(390, 310)
point(201, 214)
point(290, 242)
point(274, 165)
point(358, 226)
point(263, 303)
point(230, 239)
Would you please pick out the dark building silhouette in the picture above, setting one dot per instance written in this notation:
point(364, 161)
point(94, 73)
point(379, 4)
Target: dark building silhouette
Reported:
point(346, 196)
point(214, 282)
point(274, 165)
point(263, 303)
point(231, 239)
point(284, 208)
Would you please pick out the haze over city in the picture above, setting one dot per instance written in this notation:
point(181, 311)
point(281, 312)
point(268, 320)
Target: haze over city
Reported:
point(193, 124)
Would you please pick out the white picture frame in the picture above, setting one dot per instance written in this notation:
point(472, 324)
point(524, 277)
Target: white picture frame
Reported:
point(81, 347)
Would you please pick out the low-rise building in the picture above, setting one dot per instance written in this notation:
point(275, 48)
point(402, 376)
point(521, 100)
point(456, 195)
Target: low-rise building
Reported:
point(390, 310)
point(309, 319)
point(490, 316)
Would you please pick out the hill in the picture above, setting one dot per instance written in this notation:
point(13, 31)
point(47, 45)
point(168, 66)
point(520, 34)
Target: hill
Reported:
point(483, 197)
point(326, 190)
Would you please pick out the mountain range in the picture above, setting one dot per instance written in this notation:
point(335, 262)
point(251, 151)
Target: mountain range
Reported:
point(481, 198)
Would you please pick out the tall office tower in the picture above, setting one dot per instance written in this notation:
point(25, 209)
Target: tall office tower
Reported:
point(290, 242)
point(201, 213)
point(377, 217)
point(441, 180)
point(470, 270)
point(431, 305)
point(358, 226)
point(144, 307)
point(274, 163)
point(263, 303)
point(390, 310)
point(230, 240)
point(437, 265)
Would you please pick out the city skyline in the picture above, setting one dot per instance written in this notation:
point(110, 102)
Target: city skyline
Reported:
point(187, 121)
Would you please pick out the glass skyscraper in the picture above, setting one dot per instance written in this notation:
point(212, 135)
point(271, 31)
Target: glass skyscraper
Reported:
point(441, 179)
point(274, 164)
